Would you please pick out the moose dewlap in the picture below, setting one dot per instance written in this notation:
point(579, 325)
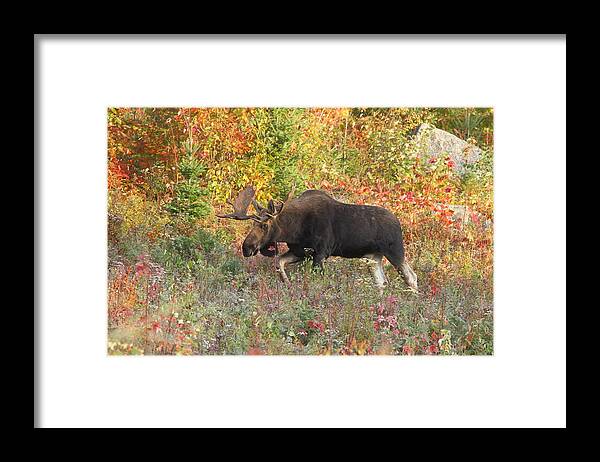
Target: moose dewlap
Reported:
point(315, 225)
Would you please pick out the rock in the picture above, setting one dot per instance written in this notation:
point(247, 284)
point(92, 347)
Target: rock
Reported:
point(433, 142)
point(467, 215)
point(459, 212)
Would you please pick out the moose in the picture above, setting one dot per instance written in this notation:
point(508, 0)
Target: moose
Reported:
point(315, 225)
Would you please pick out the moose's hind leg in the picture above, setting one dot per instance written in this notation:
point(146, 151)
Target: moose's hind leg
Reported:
point(409, 276)
point(407, 273)
point(318, 257)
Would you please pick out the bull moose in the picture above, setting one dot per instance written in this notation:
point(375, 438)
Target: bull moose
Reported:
point(316, 225)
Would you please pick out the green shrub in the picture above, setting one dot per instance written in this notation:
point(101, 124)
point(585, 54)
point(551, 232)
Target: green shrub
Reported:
point(232, 266)
point(187, 254)
point(190, 198)
point(278, 133)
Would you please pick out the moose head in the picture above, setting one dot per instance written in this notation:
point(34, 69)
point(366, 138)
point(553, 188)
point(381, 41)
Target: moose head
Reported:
point(261, 236)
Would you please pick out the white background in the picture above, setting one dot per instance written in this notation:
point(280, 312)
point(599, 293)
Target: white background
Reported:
point(523, 384)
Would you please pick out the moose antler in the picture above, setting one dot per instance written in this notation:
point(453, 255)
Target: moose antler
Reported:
point(272, 209)
point(240, 205)
point(291, 193)
point(246, 197)
point(259, 208)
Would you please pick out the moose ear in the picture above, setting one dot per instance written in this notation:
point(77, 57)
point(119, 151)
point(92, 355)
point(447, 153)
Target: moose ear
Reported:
point(271, 207)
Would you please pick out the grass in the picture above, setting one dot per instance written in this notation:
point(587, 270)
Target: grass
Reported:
point(198, 295)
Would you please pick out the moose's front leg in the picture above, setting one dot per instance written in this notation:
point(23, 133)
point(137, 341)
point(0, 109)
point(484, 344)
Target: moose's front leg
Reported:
point(317, 264)
point(283, 260)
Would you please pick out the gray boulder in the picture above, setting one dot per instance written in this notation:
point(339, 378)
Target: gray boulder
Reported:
point(433, 143)
point(467, 215)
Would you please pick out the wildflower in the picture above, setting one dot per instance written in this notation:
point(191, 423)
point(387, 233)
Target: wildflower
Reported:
point(153, 290)
point(445, 342)
point(407, 350)
point(392, 299)
point(316, 325)
point(142, 268)
point(391, 320)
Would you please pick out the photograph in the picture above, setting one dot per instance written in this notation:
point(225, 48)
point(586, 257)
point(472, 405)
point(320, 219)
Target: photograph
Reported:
point(253, 231)
point(300, 231)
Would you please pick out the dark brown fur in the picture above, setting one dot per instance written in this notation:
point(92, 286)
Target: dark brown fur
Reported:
point(327, 227)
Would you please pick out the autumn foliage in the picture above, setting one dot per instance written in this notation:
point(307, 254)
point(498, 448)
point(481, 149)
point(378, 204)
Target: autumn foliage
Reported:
point(179, 285)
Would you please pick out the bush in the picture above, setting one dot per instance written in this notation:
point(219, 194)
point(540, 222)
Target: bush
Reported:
point(232, 266)
point(185, 254)
point(190, 198)
point(135, 223)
